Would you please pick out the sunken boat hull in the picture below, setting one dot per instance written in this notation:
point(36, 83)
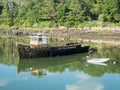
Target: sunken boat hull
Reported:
point(27, 51)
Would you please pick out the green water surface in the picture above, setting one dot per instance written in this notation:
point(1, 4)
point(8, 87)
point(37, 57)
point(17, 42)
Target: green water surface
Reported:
point(58, 73)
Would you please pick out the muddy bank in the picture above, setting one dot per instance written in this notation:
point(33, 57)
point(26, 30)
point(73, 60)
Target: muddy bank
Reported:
point(83, 34)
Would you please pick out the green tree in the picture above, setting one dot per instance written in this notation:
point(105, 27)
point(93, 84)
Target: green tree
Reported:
point(61, 11)
point(68, 13)
point(117, 17)
point(109, 8)
point(1, 7)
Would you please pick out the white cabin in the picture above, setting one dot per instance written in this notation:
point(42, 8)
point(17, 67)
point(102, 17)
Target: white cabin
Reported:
point(38, 40)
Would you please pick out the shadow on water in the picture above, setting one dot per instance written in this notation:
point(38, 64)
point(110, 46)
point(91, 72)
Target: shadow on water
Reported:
point(41, 66)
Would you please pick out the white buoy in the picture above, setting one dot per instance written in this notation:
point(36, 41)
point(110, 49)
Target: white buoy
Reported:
point(114, 62)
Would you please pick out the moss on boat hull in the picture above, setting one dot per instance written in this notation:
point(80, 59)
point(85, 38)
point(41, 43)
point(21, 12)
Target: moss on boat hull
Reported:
point(26, 51)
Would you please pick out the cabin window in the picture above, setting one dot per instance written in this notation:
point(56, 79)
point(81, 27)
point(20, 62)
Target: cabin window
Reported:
point(40, 39)
point(33, 38)
point(44, 39)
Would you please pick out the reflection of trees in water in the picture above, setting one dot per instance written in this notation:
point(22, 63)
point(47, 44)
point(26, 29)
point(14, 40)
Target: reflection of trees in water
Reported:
point(10, 55)
point(111, 52)
point(59, 64)
point(9, 50)
point(1, 51)
point(73, 63)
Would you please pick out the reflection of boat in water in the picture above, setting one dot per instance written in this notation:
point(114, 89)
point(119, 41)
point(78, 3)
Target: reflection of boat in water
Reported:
point(38, 48)
point(38, 72)
point(41, 66)
point(96, 60)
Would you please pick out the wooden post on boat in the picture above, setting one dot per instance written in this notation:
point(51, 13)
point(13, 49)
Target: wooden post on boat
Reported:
point(51, 38)
point(69, 35)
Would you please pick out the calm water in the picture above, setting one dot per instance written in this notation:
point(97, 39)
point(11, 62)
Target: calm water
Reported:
point(58, 73)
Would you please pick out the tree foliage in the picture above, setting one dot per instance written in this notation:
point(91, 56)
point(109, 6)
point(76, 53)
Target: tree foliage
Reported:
point(68, 13)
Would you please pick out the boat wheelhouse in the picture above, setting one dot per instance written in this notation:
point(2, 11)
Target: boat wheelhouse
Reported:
point(38, 40)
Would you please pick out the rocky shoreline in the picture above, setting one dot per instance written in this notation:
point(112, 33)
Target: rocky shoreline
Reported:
point(101, 36)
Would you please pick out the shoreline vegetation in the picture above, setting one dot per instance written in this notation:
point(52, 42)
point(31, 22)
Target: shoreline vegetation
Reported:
point(99, 35)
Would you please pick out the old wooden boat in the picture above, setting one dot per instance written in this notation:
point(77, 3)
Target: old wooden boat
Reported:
point(38, 48)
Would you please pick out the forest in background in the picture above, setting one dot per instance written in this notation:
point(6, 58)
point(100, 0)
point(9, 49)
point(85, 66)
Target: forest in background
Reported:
point(54, 13)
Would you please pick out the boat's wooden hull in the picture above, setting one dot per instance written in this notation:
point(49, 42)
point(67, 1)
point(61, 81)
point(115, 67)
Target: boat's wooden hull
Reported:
point(26, 51)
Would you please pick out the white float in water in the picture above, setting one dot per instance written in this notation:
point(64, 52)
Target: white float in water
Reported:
point(96, 60)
